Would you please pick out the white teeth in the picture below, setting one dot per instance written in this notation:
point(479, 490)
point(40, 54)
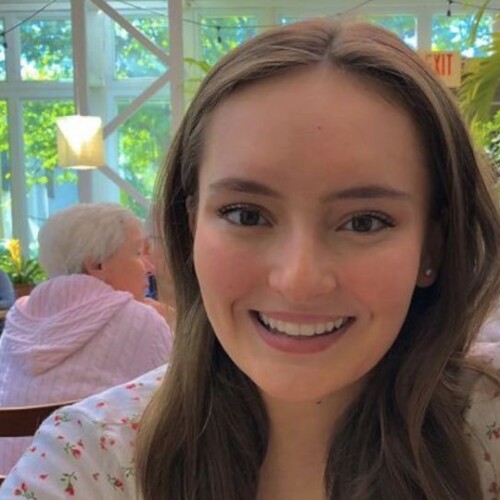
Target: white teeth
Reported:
point(301, 329)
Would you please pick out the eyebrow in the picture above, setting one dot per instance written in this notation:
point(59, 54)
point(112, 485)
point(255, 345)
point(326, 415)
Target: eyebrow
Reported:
point(369, 191)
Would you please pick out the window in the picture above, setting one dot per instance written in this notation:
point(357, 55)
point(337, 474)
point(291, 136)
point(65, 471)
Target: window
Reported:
point(452, 33)
point(49, 188)
point(221, 34)
point(5, 195)
point(132, 59)
point(46, 50)
point(403, 26)
point(3, 73)
point(142, 141)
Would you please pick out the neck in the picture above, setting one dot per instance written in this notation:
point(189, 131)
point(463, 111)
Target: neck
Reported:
point(298, 447)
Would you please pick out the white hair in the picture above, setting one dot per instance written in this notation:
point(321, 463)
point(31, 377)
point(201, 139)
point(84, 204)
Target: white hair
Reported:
point(93, 231)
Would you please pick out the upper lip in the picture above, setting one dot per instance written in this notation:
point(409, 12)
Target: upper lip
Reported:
point(303, 318)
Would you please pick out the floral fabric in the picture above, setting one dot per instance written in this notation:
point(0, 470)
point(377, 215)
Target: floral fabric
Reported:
point(86, 451)
point(72, 337)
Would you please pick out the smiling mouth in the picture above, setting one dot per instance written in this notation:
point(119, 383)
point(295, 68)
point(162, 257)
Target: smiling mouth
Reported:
point(302, 330)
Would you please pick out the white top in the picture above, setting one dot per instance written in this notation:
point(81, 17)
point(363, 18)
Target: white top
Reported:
point(85, 451)
point(72, 337)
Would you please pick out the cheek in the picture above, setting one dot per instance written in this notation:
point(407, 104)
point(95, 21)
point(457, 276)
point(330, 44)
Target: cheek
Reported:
point(385, 278)
point(224, 269)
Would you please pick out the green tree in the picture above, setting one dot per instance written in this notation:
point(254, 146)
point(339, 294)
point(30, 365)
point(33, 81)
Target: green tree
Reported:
point(46, 50)
point(453, 33)
point(142, 143)
point(40, 147)
point(219, 35)
point(403, 26)
point(132, 58)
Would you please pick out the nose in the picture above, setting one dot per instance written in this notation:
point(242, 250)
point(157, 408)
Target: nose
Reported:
point(148, 264)
point(303, 270)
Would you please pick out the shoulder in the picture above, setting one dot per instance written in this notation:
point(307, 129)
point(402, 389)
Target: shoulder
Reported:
point(86, 450)
point(143, 317)
point(483, 418)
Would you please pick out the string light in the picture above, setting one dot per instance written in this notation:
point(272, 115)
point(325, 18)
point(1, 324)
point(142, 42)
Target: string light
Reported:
point(20, 23)
point(218, 27)
point(474, 6)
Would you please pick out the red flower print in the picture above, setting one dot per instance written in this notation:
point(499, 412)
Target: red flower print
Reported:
point(493, 431)
point(130, 386)
point(67, 479)
point(95, 476)
point(493, 488)
point(43, 476)
point(22, 491)
point(73, 450)
point(487, 457)
point(100, 404)
point(116, 482)
point(102, 443)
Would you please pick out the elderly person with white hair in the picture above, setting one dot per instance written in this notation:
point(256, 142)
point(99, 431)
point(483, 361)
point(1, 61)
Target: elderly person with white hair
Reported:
point(88, 327)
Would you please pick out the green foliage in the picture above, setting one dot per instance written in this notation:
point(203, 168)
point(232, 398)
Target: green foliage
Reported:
point(219, 35)
point(132, 58)
point(19, 268)
point(454, 33)
point(46, 50)
point(480, 84)
point(488, 136)
point(40, 141)
point(482, 79)
point(403, 26)
point(4, 136)
point(142, 141)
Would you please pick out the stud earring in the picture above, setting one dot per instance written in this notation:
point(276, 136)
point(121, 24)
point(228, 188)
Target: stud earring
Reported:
point(428, 272)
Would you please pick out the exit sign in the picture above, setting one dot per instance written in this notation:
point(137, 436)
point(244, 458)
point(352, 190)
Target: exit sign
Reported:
point(448, 65)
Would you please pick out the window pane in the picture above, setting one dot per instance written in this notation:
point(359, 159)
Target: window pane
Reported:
point(221, 34)
point(5, 195)
point(290, 19)
point(452, 33)
point(46, 50)
point(2, 55)
point(403, 26)
point(142, 142)
point(50, 188)
point(132, 58)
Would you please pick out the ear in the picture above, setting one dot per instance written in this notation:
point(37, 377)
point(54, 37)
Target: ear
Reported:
point(430, 261)
point(191, 206)
point(94, 269)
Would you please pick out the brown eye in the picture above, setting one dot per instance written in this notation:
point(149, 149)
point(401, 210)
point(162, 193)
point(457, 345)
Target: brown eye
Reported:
point(367, 223)
point(243, 216)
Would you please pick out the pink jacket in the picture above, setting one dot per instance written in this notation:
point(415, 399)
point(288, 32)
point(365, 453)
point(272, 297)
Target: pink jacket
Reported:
point(72, 337)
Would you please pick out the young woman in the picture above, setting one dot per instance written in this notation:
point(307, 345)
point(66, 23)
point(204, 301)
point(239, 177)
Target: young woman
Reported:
point(335, 248)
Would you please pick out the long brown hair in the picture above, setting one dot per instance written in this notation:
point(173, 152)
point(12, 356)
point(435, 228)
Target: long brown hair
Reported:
point(204, 435)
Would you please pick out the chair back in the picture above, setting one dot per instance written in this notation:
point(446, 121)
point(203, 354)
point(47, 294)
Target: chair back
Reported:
point(19, 421)
point(22, 421)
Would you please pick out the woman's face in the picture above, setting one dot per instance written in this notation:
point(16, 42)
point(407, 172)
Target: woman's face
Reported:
point(128, 267)
point(309, 236)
